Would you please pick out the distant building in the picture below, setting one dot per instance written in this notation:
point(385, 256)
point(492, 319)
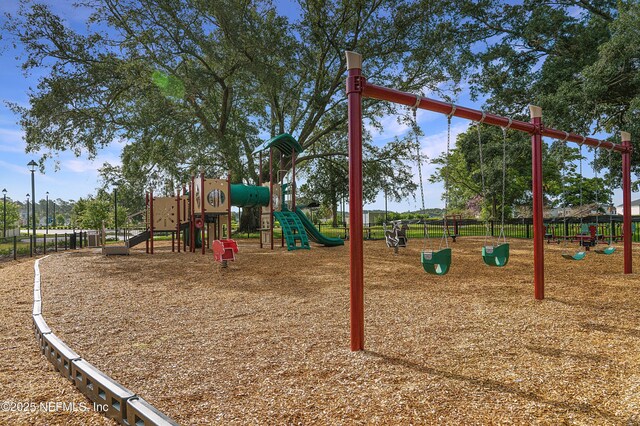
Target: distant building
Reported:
point(580, 211)
point(371, 218)
point(635, 208)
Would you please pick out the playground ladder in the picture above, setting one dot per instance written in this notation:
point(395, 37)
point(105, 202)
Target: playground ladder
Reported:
point(293, 230)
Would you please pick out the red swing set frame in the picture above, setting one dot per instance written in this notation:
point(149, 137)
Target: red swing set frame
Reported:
point(358, 87)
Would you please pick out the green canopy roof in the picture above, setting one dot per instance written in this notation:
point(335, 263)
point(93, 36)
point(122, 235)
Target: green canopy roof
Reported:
point(285, 143)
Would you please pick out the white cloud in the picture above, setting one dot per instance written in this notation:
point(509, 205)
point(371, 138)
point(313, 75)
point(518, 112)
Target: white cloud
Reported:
point(83, 166)
point(12, 140)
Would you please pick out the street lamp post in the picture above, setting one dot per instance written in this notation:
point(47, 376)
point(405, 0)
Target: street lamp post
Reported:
point(28, 232)
point(4, 213)
point(47, 214)
point(116, 185)
point(54, 214)
point(115, 209)
point(32, 167)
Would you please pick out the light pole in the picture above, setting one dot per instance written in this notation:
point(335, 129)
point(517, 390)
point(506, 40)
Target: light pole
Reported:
point(115, 209)
point(54, 214)
point(4, 213)
point(28, 232)
point(32, 167)
point(47, 214)
point(116, 185)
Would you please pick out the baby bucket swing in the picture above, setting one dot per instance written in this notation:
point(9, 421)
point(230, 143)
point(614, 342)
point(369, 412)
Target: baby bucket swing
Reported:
point(436, 262)
point(496, 253)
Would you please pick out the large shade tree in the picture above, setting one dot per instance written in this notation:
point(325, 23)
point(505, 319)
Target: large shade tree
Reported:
point(195, 85)
point(577, 59)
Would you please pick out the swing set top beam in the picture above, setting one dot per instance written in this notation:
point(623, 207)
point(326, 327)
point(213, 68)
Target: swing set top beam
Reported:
point(409, 99)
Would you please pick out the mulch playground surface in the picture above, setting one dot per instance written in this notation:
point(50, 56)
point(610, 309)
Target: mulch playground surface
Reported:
point(267, 339)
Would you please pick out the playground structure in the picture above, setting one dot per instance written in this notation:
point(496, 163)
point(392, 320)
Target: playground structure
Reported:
point(357, 88)
point(199, 216)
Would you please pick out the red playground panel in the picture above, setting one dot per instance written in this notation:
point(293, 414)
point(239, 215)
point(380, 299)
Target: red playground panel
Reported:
point(224, 250)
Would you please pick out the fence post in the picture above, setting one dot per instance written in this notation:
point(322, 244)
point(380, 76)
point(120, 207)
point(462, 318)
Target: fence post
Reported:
point(527, 228)
point(15, 247)
point(55, 238)
point(44, 246)
point(65, 241)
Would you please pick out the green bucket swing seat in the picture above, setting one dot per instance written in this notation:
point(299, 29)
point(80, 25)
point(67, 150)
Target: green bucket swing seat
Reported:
point(576, 256)
point(496, 255)
point(606, 250)
point(436, 262)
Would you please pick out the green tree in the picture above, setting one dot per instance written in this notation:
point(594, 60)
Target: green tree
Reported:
point(384, 168)
point(12, 214)
point(77, 212)
point(96, 212)
point(575, 59)
point(192, 85)
point(464, 172)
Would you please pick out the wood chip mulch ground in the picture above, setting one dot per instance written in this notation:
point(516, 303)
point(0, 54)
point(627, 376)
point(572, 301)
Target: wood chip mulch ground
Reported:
point(267, 340)
point(31, 392)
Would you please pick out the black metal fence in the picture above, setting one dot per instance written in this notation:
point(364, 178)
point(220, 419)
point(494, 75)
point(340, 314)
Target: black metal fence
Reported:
point(513, 228)
point(26, 246)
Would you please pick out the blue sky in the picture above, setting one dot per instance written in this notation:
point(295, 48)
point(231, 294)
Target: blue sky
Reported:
point(77, 176)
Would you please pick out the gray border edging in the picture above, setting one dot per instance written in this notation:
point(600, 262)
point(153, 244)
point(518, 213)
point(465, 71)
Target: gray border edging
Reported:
point(124, 406)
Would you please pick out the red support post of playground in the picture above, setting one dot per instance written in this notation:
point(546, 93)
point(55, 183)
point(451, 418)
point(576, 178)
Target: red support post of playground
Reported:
point(293, 180)
point(178, 218)
point(192, 212)
point(626, 203)
point(259, 184)
point(202, 211)
point(536, 190)
point(281, 183)
point(146, 219)
point(271, 194)
point(151, 220)
point(229, 206)
point(354, 97)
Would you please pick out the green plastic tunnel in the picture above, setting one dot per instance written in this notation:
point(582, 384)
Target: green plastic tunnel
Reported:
point(249, 195)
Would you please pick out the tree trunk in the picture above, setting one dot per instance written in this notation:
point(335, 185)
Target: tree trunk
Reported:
point(249, 219)
point(495, 208)
point(334, 211)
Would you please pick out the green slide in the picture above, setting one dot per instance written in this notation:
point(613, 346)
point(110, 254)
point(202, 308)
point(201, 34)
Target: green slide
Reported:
point(314, 234)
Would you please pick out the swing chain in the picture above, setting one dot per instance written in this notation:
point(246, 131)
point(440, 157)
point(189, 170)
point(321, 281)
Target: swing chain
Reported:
point(504, 179)
point(445, 235)
point(487, 227)
point(581, 206)
point(426, 238)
